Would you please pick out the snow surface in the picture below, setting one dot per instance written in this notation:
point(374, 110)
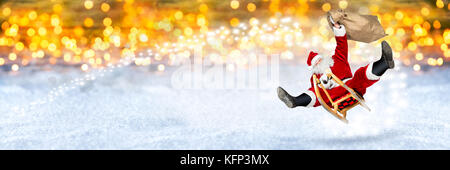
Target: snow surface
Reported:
point(135, 108)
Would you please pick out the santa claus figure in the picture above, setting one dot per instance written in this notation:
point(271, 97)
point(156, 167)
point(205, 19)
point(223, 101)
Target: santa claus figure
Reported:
point(338, 64)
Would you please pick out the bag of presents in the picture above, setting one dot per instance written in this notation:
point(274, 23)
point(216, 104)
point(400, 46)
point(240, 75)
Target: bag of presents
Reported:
point(363, 28)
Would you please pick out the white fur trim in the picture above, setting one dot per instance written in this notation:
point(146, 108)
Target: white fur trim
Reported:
point(315, 59)
point(313, 98)
point(369, 73)
point(345, 81)
point(339, 32)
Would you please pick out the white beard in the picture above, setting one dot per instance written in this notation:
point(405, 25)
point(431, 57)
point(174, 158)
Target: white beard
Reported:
point(323, 66)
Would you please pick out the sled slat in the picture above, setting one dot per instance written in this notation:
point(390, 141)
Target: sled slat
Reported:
point(344, 98)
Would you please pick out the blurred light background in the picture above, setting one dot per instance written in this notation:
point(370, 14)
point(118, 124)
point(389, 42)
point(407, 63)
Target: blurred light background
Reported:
point(89, 34)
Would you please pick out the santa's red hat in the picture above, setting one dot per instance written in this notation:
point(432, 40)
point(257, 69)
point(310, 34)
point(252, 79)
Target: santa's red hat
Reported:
point(312, 59)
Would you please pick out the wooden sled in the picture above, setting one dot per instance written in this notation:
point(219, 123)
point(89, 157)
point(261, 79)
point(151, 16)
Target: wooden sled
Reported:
point(339, 107)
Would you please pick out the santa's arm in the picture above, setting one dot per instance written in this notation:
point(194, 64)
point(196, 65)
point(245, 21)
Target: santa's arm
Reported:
point(341, 51)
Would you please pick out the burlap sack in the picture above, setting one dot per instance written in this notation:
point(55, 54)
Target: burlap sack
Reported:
point(363, 28)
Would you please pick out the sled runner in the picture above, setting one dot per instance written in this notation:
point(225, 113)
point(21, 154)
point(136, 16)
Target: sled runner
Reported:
point(340, 106)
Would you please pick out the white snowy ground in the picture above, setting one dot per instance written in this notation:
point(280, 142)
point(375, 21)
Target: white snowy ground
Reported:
point(133, 108)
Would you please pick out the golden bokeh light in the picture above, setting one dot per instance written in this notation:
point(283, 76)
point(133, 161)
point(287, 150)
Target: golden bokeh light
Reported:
point(12, 56)
point(419, 56)
point(143, 38)
point(431, 61)
point(203, 8)
point(399, 15)
point(188, 31)
point(57, 30)
point(436, 24)
point(88, 4)
point(326, 7)
point(343, 4)
point(6, 11)
point(418, 34)
point(19, 46)
point(425, 11)
point(440, 3)
point(234, 4)
point(42, 31)
point(105, 7)
point(251, 7)
point(234, 22)
point(107, 21)
point(412, 46)
point(440, 61)
point(32, 15)
point(57, 8)
point(31, 32)
point(178, 15)
point(88, 22)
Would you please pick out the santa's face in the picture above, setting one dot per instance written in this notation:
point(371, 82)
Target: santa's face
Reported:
point(322, 64)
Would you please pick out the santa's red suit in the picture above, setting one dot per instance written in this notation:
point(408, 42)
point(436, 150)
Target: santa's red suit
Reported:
point(360, 81)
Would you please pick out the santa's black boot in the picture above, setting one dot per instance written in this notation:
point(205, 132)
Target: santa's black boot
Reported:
point(285, 97)
point(291, 102)
point(386, 61)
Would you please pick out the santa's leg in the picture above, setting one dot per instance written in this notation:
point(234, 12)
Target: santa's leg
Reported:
point(303, 99)
point(366, 76)
point(385, 62)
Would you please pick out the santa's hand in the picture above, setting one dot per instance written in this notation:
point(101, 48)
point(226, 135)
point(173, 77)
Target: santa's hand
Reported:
point(327, 82)
point(335, 24)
